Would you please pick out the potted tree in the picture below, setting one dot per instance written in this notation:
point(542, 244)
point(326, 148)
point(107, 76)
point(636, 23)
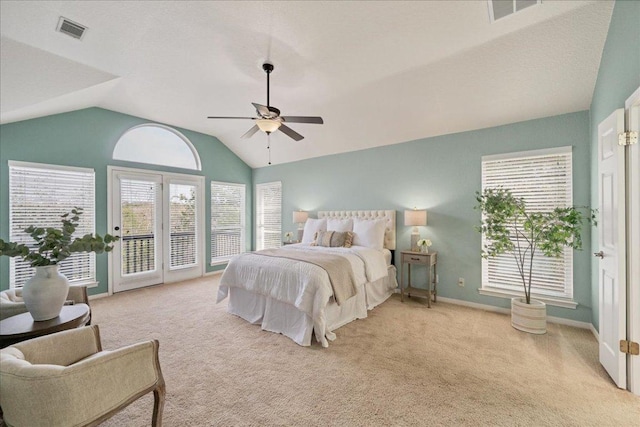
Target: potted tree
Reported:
point(509, 228)
point(44, 294)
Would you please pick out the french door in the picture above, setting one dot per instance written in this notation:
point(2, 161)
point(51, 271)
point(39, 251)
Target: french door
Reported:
point(159, 218)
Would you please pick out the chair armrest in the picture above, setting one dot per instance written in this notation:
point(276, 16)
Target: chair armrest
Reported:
point(62, 348)
point(90, 389)
point(78, 294)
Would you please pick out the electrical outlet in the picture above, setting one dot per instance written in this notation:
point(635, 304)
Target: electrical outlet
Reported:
point(461, 282)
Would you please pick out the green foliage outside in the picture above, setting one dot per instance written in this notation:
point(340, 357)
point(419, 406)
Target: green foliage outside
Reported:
point(55, 245)
point(509, 228)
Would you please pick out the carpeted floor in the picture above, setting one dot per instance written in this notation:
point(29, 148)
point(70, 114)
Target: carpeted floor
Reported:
point(404, 365)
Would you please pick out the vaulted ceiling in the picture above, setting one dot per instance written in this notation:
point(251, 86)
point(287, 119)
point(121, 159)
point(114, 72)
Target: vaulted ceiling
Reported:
point(379, 73)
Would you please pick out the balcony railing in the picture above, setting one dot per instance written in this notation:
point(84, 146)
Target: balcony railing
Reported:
point(225, 243)
point(138, 252)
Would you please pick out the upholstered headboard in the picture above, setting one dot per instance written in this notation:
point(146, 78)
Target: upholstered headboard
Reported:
point(389, 216)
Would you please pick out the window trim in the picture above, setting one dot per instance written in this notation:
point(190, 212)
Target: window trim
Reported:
point(555, 300)
point(243, 222)
point(90, 282)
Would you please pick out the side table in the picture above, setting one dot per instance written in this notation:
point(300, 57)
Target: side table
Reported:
point(22, 326)
point(427, 259)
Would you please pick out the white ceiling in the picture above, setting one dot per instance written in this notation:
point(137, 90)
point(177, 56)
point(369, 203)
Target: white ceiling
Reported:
point(379, 73)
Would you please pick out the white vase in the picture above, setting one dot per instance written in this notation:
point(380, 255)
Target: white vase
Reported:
point(45, 293)
point(425, 249)
point(530, 318)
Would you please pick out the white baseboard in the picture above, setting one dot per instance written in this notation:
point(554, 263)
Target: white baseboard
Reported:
point(595, 332)
point(98, 296)
point(551, 319)
point(213, 273)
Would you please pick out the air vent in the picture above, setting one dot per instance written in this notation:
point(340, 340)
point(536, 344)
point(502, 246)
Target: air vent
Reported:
point(71, 28)
point(500, 8)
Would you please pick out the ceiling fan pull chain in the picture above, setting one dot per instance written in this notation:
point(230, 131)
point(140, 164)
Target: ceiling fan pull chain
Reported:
point(269, 146)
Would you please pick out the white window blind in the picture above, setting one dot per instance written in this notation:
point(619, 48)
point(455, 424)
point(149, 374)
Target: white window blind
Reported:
point(182, 212)
point(543, 178)
point(38, 195)
point(227, 220)
point(269, 215)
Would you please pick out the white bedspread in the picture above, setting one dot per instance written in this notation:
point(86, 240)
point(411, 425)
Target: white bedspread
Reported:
point(303, 285)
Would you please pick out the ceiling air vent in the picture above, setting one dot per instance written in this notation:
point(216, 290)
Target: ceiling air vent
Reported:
point(501, 8)
point(71, 28)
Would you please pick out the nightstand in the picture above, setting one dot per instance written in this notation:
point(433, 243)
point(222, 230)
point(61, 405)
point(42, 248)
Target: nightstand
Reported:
point(288, 243)
point(429, 260)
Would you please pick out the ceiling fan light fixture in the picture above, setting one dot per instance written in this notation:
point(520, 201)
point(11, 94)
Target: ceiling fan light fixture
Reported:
point(267, 125)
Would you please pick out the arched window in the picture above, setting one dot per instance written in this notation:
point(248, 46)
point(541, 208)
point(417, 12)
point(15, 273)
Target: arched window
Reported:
point(157, 145)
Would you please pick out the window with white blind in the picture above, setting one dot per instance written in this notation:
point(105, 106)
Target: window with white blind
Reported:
point(227, 221)
point(543, 178)
point(38, 195)
point(268, 215)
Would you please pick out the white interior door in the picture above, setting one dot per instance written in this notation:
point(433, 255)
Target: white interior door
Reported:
point(611, 270)
point(632, 107)
point(137, 219)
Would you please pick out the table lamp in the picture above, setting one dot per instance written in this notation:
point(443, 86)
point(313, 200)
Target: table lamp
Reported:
point(415, 218)
point(300, 217)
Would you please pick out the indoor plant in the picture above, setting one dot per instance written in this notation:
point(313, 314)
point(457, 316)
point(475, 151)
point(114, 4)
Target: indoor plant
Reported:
point(44, 294)
point(509, 228)
point(424, 244)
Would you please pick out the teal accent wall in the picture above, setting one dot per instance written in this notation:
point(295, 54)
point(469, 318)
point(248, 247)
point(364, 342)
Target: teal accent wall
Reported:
point(440, 174)
point(86, 138)
point(618, 78)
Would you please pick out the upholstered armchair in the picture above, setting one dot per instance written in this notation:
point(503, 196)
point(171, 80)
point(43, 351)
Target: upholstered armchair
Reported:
point(11, 302)
point(66, 379)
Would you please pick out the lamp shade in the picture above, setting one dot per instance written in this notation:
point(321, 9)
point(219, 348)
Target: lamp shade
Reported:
point(268, 125)
point(300, 217)
point(415, 217)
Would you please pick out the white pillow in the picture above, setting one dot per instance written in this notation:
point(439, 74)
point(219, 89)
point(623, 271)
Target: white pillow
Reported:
point(369, 232)
point(334, 224)
point(311, 227)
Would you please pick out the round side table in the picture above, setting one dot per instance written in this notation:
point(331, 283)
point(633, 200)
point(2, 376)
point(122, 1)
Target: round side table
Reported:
point(22, 326)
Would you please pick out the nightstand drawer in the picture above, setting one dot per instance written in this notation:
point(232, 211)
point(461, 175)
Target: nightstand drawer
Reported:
point(413, 258)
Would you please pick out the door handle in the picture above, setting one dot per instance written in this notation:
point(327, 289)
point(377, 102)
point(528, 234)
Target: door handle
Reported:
point(599, 254)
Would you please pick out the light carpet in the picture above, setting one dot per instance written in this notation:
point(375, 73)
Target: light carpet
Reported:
point(405, 365)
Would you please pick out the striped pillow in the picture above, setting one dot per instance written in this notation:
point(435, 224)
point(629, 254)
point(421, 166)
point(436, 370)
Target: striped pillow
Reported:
point(333, 239)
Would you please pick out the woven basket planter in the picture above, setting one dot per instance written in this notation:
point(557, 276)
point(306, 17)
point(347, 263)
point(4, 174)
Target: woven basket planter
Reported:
point(530, 318)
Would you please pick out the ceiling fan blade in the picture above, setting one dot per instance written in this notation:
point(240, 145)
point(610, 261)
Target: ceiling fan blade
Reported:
point(263, 110)
point(290, 132)
point(250, 132)
point(217, 117)
point(303, 119)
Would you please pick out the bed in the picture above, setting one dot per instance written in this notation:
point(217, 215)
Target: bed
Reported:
point(296, 298)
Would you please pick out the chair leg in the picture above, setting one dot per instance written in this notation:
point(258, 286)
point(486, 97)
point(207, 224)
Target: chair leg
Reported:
point(158, 404)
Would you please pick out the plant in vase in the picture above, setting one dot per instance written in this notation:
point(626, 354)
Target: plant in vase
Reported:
point(44, 294)
point(509, 228)
point(424, 245)
point(288, 235)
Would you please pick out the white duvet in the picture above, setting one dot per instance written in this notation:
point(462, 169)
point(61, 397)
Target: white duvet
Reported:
point(303, 285)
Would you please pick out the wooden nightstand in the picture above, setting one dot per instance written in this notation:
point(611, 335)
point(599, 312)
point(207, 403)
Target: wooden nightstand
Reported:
point(429, 260)
point(288, 243)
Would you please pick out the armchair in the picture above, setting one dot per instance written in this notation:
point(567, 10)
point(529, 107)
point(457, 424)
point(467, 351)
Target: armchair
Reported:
point(66, 379)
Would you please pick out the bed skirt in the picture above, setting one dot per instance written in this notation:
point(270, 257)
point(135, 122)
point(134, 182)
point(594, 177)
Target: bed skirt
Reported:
point(280, 317)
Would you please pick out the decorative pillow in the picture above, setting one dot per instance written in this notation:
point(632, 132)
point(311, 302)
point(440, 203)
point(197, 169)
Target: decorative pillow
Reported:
point(333, 239)
point(369, 232)
point(334, 224)
point(311, 227)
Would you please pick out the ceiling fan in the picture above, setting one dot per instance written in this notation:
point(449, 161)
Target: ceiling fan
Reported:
point(269, 118)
